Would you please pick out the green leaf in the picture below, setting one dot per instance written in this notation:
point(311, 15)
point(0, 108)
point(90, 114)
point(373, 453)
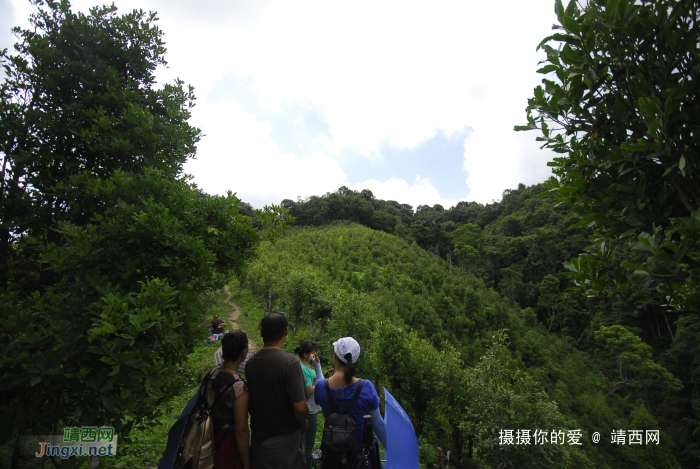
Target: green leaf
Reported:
point(570, 56)
point(571, 25)
point(653, 127)
point(559, 10)
point(108, 361)
point(623, 188)
point(623, 9)
point(641, 246)
point(633, 147)
point(611, 11)
point(547, 69)
point(669, 169)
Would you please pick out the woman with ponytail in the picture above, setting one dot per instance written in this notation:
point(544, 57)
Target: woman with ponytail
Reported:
point(311, 366)
point(230, 410)
point(343, 385)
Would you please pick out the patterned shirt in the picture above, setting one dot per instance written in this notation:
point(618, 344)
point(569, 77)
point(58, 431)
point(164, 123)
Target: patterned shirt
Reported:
point(223, 410)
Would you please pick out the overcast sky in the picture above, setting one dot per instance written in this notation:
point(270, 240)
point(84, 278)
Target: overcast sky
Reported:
point(414, 100)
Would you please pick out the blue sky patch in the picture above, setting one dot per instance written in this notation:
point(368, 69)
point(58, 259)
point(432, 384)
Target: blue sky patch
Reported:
point(440, 159)
point(294, 129)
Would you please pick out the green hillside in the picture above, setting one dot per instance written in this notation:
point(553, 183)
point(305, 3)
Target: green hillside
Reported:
point(464, 360)
point(519, 247)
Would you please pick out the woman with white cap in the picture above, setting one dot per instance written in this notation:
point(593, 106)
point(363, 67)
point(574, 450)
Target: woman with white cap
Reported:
point(343, 386)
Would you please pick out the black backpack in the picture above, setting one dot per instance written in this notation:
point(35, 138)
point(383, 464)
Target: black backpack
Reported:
point(339, 446)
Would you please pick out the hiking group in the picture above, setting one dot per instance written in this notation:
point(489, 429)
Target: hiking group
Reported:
point(283, 395)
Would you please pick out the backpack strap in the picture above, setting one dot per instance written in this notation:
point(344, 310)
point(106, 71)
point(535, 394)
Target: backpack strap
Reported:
point(221, 440)
point(331, 401)
point(221, 393)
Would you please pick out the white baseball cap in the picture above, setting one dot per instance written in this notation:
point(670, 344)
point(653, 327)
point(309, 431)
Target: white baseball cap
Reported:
point(346, 345)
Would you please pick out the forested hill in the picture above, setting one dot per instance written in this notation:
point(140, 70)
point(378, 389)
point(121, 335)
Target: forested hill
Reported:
point(518, 248)
point(464, 360)
point(507, 234)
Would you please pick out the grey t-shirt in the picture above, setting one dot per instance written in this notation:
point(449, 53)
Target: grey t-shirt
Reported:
point(275, 384)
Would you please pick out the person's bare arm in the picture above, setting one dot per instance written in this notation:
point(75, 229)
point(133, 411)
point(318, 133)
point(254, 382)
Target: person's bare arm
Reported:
point(240, 416)
point(301, 411)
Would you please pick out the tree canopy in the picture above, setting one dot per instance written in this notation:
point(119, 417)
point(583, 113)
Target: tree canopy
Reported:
point(106, 251)
point(621, 108)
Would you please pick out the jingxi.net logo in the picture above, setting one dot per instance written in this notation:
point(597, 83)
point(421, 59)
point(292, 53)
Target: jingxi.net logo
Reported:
point(75, 441)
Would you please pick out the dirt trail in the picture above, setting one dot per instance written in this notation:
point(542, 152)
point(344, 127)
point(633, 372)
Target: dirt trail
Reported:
point(232, 322)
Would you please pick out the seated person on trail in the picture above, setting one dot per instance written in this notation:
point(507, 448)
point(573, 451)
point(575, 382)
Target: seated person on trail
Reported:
point(217, 325)
point(343, 385)
point(231, 411)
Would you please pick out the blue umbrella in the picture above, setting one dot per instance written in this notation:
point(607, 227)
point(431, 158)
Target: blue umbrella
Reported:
point(402, 444)
point(175, 436)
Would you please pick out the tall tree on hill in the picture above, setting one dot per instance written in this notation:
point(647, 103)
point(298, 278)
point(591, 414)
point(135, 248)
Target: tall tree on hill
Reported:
point(622, 110)
point(105, 249)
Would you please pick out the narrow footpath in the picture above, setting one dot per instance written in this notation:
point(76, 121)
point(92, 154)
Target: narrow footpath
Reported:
point(232, 321)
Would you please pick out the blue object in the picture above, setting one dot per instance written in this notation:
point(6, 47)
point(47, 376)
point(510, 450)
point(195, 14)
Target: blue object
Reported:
point(402, 444)
point(175, 436)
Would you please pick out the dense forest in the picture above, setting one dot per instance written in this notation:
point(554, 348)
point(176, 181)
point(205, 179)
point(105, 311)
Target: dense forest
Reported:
point(459, 281)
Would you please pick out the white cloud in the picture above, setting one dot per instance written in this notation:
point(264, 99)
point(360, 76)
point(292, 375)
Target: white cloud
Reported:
point(7, 21)
point(495, 161)
point(378, 71)
point(421, 192)
point(240, 155)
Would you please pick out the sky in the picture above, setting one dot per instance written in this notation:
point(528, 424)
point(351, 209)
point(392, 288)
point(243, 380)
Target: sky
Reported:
point(415, 101)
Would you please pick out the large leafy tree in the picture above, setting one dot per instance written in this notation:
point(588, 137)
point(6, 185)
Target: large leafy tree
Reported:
point(105, 249)
point(620, 105)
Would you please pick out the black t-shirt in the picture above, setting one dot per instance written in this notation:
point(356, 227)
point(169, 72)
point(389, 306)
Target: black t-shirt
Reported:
point(276, 382)
point(216, 324)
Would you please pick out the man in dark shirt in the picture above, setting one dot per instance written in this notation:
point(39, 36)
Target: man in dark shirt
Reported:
point(277, 404)
point(217, 325)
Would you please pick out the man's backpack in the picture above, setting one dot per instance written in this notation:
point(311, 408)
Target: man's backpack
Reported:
point(339, 446)
point(197, 447)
